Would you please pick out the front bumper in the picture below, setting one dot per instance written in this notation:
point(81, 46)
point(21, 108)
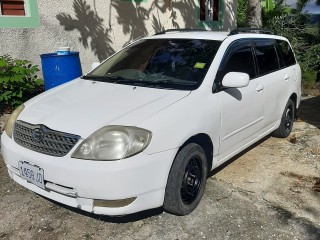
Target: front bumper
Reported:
point(77, 183)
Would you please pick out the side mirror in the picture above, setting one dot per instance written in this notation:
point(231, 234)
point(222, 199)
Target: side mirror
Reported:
point(94, 65)
point(236, 80)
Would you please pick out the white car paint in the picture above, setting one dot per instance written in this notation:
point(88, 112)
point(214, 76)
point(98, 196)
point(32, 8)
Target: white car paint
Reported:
point(98, 103)
point(233, 119)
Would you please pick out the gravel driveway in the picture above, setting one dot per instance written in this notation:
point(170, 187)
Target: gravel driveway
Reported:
point(270, 191)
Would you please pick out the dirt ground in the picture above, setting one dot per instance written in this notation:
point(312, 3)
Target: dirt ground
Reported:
point(285, 172)
point(270, 191)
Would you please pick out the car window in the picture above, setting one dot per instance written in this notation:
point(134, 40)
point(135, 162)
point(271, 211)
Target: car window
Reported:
point(286, 53)
point(238, 58)
point(160, 63)
point(266, 56)
point(280, 57)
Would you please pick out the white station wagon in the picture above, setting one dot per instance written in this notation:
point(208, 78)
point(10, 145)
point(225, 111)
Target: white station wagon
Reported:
point(143, 129)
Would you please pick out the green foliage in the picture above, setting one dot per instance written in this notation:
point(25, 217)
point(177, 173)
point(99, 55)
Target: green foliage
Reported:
point(295, 26)
point(301, 4)
point(18, 82)
point(309, 77)
point(305, 38)
point(274, 8)
point(242, 13)
point(268, 5)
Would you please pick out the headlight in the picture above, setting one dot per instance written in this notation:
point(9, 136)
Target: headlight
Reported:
point(113, 143)
point(12, 119)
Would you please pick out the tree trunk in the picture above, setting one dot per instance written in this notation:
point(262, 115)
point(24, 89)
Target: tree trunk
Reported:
point(254, 12)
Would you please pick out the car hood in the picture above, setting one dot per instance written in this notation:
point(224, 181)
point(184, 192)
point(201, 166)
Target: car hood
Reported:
point(83, 106)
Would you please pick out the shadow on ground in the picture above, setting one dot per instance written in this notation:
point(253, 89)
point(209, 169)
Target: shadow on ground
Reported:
point(288, 218)
point(309, 111)
point(231, 160)
point(134, 217)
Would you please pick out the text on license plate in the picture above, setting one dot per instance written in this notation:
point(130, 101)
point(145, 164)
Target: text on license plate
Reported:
point(32, 174)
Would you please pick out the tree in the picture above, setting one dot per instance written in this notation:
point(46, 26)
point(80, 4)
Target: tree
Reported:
point(304, 37)
point(254, 14)
point(242, 13)
point(301, 4)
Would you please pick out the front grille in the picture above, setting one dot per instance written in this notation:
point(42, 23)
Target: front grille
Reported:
point(42, 139)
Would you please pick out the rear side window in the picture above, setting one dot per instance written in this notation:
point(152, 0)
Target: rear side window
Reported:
point(266, 56)
point(239, 58)
point(286, 53)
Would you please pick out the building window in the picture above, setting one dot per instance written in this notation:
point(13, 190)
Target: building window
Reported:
point(12, 7)
point(19, 13)
point(210, 13)
point(209, 10)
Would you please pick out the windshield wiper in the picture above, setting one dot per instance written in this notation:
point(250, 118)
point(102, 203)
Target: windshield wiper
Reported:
point(133, 81)
point(173, 82)
point(154, 82)
point(115, 79)
point(159, 82)
point(103, 78)
point(140, 82)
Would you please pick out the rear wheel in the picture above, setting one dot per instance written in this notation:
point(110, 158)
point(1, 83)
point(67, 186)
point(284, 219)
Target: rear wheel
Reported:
point(186, 181)
point(287, 121)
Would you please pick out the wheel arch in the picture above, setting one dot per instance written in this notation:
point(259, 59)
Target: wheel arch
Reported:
point(294, 98)
point(205, 142)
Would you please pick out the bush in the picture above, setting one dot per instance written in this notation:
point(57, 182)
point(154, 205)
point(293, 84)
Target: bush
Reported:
point(18, 82)
point(304, 37)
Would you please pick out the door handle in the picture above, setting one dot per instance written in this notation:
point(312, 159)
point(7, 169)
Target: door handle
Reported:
point(286, 77)
point(259, 88)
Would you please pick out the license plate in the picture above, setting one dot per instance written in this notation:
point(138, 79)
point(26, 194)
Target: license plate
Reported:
point(32, 174)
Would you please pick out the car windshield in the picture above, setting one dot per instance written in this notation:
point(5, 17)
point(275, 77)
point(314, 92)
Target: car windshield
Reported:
point(159, 63)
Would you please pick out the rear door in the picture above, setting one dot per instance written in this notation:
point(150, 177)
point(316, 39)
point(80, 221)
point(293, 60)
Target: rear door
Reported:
point(275, 79)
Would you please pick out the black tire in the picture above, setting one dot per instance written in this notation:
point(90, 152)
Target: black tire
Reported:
point(287, 121)
point(186, 181)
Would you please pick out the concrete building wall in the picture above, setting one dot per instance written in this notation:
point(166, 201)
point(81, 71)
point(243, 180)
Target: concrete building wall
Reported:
point(98, 28)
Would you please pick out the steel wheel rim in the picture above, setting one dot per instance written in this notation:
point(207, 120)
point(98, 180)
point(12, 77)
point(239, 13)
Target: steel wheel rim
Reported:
point(192, 180)
point(288, 119)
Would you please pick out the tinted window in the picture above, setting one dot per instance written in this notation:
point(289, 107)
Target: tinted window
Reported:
point(266, 56)
point(160, 63)
point(286, 53)
point(280, 58)
point(239, 58)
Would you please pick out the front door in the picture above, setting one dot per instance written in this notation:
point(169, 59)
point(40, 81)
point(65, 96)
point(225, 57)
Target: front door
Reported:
point(242, 109)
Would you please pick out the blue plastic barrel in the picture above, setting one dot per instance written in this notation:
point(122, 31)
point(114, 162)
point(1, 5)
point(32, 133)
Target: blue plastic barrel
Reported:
point(59, 69)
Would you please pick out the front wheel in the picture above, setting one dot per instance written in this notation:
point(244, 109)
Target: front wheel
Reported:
point(287, 120)
point(186, 181)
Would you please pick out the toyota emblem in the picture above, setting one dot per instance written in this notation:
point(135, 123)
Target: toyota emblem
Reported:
point(37, 135)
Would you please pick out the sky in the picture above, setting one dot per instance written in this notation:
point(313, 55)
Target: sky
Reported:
point(310, 8)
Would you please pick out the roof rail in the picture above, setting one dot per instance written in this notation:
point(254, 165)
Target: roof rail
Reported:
point(181, 30)
point(250, 30)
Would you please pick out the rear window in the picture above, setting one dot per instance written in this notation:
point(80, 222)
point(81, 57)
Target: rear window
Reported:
point(286, 53)
point(266, 56)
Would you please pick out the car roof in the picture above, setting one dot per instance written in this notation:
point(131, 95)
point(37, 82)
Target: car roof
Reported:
point(211, 35)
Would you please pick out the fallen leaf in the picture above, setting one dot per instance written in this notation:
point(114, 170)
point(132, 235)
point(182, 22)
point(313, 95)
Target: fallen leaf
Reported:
point(293, 139)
